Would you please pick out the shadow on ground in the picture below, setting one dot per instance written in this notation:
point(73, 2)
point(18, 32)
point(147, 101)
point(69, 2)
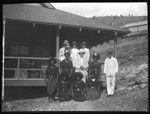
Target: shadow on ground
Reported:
point(22, 93)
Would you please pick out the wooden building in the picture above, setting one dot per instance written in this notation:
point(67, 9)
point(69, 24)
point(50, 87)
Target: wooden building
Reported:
point(137, 28)
point(34, 32)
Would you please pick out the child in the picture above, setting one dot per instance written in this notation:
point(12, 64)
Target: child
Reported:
point(52, 74)
point(64, 89)
point(78, 88)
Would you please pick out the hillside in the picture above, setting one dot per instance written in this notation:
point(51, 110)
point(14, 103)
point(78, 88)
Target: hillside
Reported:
point(131, 53)
point(131, 92)
point(118, 21)
point(125, 48)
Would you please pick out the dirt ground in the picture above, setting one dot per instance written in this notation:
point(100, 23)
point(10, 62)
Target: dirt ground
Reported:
point(133, 101)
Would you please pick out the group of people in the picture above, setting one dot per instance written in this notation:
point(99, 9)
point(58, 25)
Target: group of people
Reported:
point(74, 77)
point(79, 57)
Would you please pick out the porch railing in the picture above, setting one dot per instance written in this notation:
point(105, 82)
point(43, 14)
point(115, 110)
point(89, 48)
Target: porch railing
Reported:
point(19, 62)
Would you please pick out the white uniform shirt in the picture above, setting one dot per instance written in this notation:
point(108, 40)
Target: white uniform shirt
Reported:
point(86, 55)
point(74, 54)
point(110, 66)
point(61, 53)
point(81, 62)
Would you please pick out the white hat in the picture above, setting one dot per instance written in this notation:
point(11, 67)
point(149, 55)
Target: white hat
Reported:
point(66, 42)
point(81, 52)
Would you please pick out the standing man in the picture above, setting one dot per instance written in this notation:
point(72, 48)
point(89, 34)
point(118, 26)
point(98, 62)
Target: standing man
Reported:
point(110, 70)
point(74, 54)
point(62, 50)
point(87, 52)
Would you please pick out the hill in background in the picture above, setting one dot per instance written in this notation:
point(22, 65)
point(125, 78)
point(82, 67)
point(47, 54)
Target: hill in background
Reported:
point(118, 21)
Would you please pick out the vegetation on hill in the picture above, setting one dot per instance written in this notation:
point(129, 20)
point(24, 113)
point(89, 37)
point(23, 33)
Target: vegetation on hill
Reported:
point(118, 21)
point(126, 48)
point(132, 54)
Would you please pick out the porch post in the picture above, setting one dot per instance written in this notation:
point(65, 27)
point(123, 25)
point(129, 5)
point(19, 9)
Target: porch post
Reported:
point(4, 22)
point(57, 42)
point(115, 42)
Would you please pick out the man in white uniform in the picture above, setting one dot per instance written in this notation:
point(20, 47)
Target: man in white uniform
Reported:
point(62, 50)
point(74, 54)
point(82, 65)
point(87, 52)
point(110, 70)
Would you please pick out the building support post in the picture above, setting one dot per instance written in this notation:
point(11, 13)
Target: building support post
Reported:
point(115, 43)
point(57, 42)
point(4, 24)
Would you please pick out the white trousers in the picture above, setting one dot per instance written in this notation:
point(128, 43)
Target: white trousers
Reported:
point(110, 81)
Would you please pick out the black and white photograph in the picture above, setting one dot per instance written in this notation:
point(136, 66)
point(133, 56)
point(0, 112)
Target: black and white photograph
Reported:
point(75, 56)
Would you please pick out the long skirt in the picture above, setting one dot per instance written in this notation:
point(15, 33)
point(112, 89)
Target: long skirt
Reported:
point(52, 85)
point(92, 94)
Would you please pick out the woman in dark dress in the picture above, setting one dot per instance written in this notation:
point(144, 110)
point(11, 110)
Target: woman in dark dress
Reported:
point(66, 65)
point(94, 86)
point(52, 74)
point(95, 70)
point(66, 68)
point(64, 88)
point(78, 88)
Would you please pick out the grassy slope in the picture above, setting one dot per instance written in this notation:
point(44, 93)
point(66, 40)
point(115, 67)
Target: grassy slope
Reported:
point(126, 49)
point(118, 21)
point(130, 54)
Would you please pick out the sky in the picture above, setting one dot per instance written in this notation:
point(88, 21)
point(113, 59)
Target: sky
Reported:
point(104, 9)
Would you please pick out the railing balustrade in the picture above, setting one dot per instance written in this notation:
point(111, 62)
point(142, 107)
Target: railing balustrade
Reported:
point(19, 64)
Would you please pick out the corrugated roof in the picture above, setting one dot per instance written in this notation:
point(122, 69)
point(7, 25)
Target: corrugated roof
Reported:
point(135, 24)
point(51, 16)
point(45, 5)
point(137, 33)
point(48, 5)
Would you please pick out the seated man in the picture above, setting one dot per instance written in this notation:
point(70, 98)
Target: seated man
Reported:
point(78, 88)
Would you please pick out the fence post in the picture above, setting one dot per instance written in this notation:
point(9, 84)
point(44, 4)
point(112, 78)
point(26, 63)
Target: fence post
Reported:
point(57, 42)
point(4, 26)
point(115, 43)
point(18, 65)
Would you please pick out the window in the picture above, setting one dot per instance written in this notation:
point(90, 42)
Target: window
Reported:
point(19, 50)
